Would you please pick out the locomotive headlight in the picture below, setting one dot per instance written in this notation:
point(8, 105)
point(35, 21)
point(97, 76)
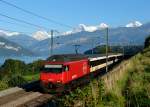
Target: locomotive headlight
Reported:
point(49, 79)
point(58, 81)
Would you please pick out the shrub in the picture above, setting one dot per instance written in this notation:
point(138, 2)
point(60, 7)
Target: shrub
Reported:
point(3, 85)
point(16, 80)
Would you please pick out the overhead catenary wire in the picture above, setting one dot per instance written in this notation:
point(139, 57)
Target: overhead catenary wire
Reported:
point(37, 15)
point(13, 23)
point(22, 21)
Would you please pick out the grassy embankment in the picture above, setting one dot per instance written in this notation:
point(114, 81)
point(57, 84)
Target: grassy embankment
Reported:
point(126, 85)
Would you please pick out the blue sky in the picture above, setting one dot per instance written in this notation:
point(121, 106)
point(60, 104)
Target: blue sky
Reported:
point(74, 12)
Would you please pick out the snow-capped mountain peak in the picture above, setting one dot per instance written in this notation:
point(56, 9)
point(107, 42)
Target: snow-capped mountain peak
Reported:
point(12, 48)
point(83, 27)
point(2, 32)
point(103, 26)
point(87, 28)
point(134, 24)
point(40, 35)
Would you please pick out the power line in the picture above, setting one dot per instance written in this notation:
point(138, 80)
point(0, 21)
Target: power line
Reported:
point(3, 21)
point(25, 26)
point(22, 21)
point(37, 15)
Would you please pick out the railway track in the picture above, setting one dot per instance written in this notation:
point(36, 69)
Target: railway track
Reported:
point(20, 97)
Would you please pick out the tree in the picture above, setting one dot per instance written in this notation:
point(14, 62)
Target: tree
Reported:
point(147, 42)
point(11, 67)
point(34, 67)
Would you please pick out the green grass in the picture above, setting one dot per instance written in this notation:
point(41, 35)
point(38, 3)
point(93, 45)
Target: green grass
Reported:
point(138, 85)
point(32, 77)
point(17, 80)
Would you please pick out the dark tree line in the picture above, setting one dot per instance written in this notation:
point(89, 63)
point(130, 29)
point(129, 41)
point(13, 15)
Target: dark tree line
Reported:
point(147, 42)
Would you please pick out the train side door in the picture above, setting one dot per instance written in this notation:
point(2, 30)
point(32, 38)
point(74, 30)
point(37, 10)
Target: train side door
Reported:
point(84, 69)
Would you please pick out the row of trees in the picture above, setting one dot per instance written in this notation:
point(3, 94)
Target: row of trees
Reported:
point(127, 50)
point(12, 72)
point(147, 42)
point(11, 67)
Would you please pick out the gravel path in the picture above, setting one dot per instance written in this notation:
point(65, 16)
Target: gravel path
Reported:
point(9, 91)
point(23, 99)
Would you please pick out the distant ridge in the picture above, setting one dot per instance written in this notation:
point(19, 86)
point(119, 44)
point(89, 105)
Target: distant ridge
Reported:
point(8, 48)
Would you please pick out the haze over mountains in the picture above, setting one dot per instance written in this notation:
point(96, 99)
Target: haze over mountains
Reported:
point(83, 35)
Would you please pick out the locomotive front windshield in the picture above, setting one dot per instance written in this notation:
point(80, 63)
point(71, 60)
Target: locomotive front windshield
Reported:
point(52, 68)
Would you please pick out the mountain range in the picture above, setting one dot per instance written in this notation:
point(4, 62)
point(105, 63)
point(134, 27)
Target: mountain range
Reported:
point(8, 48)
point(86, 37)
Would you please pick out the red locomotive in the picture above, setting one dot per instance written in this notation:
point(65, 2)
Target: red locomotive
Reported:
point(60, 70)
